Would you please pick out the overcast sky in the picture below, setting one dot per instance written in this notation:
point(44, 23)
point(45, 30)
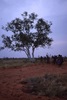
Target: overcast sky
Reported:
point(51, 10)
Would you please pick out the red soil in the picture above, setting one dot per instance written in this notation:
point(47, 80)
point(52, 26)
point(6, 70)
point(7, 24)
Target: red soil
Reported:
point(10, 80)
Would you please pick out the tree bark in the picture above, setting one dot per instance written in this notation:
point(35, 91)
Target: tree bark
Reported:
point(28, 52)
point(33, 48)
point(29, 55)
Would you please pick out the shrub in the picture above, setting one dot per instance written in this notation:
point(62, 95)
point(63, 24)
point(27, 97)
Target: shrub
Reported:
point(49, 85)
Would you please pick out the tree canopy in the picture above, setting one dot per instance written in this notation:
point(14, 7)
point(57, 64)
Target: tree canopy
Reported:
point(28, 32)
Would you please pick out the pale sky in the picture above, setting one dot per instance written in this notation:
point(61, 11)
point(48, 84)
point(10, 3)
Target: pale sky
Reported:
point(51, 10)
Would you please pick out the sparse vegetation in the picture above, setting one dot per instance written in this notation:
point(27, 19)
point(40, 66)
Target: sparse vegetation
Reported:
point(22, 62)
point(14, 62)
point(48, 85)
point(51, 82)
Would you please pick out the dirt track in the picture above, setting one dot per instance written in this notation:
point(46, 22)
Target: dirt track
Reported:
point(10, 78)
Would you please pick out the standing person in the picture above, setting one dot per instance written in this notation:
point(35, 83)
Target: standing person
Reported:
point(54, 59)
point(60, 60)
point(47, 59)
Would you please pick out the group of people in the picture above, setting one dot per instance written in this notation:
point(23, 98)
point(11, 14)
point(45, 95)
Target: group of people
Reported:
point(54, 59)
point(57, 60)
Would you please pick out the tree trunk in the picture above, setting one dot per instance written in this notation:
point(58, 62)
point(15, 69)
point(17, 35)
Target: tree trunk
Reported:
point(33, 48)
point(30, 57)
point(28, 52)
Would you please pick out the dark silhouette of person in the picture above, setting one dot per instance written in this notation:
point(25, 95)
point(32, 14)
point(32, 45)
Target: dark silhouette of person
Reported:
point(54, 59)
point(41, 59)
point(47, 59)
point(59, 60)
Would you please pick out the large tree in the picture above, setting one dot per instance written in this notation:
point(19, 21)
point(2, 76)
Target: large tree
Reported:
point(28, 32)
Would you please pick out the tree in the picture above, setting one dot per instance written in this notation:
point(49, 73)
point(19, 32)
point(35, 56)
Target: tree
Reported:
point(28, 32)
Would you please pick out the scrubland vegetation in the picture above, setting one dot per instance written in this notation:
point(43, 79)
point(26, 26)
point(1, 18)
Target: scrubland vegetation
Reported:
point(48, 85)
point(52, 85)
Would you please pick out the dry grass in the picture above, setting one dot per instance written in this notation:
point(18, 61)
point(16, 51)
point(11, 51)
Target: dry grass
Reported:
point(7, 63)
point(20, 62)
point(49, 85)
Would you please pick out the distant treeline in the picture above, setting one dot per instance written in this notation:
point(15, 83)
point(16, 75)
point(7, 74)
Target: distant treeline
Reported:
point(65, 57)
point(7, 58)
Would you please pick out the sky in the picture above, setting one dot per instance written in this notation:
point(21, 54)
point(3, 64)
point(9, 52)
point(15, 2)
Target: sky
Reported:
point(51, 10)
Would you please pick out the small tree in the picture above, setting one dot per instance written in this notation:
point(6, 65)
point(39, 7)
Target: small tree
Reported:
point(28, 32)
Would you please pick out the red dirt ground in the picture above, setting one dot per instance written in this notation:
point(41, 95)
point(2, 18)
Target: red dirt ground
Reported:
point(10, 80)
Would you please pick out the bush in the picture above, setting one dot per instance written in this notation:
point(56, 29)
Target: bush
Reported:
point(49, 85)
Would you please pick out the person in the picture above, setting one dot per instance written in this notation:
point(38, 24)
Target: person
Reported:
point(54, 59)
point(60, 60)
point(41, 59)
point(47, 59)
